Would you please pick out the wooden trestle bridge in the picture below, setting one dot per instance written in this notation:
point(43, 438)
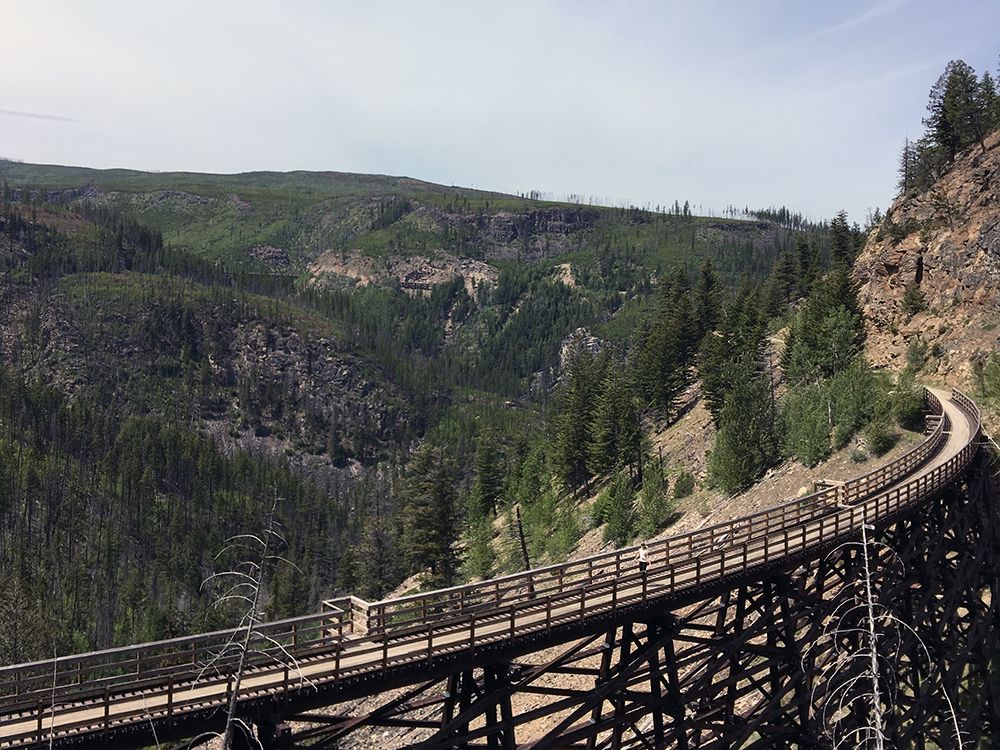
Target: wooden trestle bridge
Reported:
point(718, 646)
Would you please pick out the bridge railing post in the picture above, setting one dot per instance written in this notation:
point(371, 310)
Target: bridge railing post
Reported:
point(472, 633)
point(337, 648)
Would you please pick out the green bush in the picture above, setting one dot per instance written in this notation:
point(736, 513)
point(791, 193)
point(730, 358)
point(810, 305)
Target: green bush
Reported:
point(880, 437)
point(807, 424)
point(852, 398)
point(907, 404)
point(684, 484)
point(655, 505)
point(916, 355)
point(913, 300)
point(842, 435)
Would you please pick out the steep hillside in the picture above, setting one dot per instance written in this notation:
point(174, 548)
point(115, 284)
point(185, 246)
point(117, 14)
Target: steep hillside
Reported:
point(931, 271)
point(176, 349)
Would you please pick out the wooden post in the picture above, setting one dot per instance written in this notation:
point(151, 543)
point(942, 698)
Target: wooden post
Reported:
point(524, 548)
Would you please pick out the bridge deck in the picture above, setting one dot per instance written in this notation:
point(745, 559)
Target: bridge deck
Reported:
point(126, 691)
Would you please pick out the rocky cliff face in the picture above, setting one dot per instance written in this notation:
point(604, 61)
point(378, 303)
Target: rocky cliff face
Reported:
point(945, 244)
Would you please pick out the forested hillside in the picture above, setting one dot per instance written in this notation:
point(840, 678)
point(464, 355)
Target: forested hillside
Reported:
point(175, 356)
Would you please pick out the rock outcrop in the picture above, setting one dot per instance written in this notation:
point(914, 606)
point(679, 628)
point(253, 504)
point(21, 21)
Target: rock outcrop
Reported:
point(944, 244)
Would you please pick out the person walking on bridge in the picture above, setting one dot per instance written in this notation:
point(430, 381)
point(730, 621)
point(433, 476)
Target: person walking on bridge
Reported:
point(643, 558)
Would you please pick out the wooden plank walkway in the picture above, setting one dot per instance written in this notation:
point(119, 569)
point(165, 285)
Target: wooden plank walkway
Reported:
point(163, 683)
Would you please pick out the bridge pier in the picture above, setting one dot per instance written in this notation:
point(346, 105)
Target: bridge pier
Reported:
point(274, 734)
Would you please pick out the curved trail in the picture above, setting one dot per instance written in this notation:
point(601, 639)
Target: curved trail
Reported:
point(122, 692)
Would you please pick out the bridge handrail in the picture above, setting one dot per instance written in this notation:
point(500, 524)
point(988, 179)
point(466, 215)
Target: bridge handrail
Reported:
point(742, 527)
point(737, 553)
point(375, 615)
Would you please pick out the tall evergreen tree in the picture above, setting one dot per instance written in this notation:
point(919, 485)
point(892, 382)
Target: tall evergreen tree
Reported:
point(488, 477)
point(955, 115)
point(828, 331)
point(576, 403)
point(907, 167)
point(747, 441)
point(842, 240)
point(706, 299)
point(619, 511)
point(616, 435)
point(430, 515)
point(655, 504)
point(988, 102)
point(663, 363)
point(741, 332)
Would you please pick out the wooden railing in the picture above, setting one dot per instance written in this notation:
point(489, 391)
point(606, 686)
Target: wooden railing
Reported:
point(351, 636)
point(530, 585)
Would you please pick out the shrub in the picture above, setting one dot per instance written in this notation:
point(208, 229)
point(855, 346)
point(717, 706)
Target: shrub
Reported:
point(907, 403)
point(880, 437)
point(913, 300)
point(655, 506)
point(684, 485)
point(807, 425)
point(916, 355)
point(566, 533)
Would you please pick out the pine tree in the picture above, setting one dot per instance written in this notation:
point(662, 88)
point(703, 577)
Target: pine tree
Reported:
point(616, 435)
point(706, 299)
point(806, 424)
point(663, 363)
point(746, 444)
point(988, 102)
point(940, 126)
point(576, 402)
point(488, 477)
point(655, 504)
point(956, 115)
point(619, 511)
point(479, 556)
point(713, 357)
point(741, 332)
point(783, 282)
point(907, 167)
point(828, 331)
point(430, 518)
point(809, 264)
point(842, 240)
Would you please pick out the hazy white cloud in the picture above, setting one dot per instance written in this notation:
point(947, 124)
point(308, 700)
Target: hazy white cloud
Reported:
point(36, 115)
point(717, 103)
point(872, 14)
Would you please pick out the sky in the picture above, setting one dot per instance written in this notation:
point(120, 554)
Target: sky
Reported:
point(746, 103)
